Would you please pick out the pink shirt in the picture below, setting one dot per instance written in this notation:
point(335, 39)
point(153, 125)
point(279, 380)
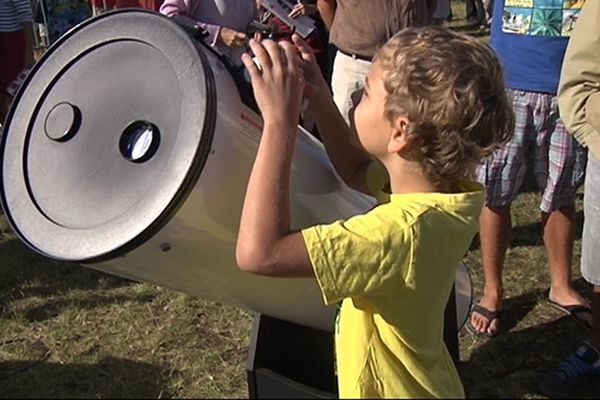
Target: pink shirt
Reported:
point(213, 14)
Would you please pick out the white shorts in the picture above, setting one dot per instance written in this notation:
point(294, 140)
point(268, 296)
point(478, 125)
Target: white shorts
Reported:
point(590, 256)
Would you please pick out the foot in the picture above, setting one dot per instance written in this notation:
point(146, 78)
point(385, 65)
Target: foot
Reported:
point(567, 297)
point(485, 316)
point(575, 306)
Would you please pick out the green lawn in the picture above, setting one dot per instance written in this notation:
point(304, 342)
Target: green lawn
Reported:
point(68, 331)
point(71, 332)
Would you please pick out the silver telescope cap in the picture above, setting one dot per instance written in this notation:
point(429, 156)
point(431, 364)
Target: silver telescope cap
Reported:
point(106, 136)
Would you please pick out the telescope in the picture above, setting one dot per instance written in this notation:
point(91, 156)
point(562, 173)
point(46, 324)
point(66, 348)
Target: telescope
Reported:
point(127, 149)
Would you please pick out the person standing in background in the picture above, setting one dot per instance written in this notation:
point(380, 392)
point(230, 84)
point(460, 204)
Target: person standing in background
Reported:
point(530, 40)
point(61, 15)
point(357, 35)
point(317, 40)
point(477, 11)
point(579, 101)
point(16, 45)
point(225, 21)
point(488, 8)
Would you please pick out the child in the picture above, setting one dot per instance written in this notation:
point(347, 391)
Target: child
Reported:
point(433, 107)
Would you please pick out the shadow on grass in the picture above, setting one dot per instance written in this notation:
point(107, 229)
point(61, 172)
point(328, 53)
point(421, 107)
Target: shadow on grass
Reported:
point(109, 378)
point(511, 365)
point(516, 308)
point(24, 273)
point(20, 264)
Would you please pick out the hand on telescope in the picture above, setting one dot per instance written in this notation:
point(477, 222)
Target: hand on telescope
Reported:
point(350, 162)
point(315, 81)
point(232, 38)
point(279, 82)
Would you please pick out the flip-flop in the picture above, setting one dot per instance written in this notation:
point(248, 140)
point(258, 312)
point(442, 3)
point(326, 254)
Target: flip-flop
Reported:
point(488, 314)
point(581, 314)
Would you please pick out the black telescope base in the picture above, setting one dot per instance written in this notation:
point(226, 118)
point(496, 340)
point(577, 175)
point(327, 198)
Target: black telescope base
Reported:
point(287, 360)
point(291, 361)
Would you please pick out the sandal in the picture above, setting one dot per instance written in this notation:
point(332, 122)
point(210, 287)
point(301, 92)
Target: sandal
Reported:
point(488, 314)
point(581, 313)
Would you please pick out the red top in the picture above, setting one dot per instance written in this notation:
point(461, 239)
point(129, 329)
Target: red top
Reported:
point(315, 40)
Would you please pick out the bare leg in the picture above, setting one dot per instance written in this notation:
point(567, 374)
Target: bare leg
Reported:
point(559, 234)
point(495, 229)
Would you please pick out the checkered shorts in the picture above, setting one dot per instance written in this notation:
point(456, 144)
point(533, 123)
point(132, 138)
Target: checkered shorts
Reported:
point(540, 141)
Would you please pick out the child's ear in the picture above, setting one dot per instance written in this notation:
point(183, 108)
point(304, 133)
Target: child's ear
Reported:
point(398, 139)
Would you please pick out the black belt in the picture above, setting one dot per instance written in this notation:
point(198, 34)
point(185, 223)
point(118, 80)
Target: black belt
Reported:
point(356, 56)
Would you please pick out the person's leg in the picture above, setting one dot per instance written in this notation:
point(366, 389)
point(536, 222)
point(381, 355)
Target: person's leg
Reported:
point(502, 176)
point(470, 9)
point(475, 13)
point(559, 168)
point(488, 6)
point(494, 234)
point(450, 16)
point(442, 12)
point(479, 13)
point(559, 234)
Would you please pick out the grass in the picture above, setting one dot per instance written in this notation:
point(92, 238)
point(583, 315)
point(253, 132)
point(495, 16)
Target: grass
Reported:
point(67, 331)
point(538, 336)
point(71, 332)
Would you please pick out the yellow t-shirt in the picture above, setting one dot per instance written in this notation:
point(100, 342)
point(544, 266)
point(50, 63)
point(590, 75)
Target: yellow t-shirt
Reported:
point(394, 268)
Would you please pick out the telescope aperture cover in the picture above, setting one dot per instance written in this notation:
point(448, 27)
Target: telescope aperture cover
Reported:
point(124, 106)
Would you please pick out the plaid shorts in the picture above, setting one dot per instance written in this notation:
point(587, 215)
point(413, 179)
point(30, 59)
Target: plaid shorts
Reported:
point(541, 141)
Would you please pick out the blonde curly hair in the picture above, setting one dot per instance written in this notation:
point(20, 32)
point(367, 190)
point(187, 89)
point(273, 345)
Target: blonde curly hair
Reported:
point(450, 87)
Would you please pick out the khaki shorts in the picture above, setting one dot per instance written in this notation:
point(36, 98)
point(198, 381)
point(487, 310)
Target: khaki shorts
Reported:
point(347, 82)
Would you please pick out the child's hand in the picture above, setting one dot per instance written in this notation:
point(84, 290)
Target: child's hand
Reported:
point(279, 82)
point(315, 82)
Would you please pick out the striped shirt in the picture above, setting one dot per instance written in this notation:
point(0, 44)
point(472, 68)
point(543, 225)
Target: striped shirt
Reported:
point(14, 13)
